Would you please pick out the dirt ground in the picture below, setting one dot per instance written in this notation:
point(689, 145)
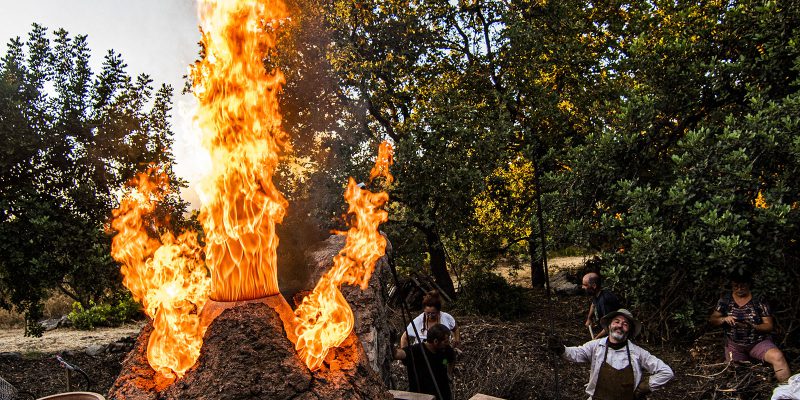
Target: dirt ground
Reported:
point(521, 276)
point(30, 364)
point(506, 359)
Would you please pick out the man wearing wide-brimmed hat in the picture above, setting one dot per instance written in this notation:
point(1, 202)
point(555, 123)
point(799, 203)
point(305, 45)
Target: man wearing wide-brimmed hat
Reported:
point(617, 363)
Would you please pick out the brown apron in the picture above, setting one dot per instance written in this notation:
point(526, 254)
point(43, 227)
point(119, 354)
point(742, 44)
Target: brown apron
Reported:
point(612, 383)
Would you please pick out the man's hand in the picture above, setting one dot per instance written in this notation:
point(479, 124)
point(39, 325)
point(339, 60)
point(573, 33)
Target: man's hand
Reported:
point(588, 322)
point(555, 344)
point(730, 320)
point(742, 324)
point(398, 353)
point(642, 390)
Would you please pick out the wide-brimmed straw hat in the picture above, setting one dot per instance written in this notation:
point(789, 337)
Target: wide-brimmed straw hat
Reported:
point(635, 326)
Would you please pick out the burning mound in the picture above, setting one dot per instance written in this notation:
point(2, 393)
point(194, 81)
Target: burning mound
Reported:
point(246, 355)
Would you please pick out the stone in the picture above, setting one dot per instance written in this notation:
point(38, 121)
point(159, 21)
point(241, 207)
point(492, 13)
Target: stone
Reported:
point(561, 283)
point(479, 396)
point(402, 395)
point(12, 355)
point(95, 350)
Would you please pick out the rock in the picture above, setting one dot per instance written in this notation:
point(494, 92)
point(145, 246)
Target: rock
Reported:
point(11, 355)
point(560, 283)
point(120, 347)
point(95, 350)
point(54, 323)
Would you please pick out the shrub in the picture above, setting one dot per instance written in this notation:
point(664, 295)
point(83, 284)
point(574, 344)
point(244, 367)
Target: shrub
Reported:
point(123, 309)
point(486, 293)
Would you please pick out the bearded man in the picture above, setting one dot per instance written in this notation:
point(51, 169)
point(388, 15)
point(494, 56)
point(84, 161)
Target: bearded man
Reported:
point(617, 364)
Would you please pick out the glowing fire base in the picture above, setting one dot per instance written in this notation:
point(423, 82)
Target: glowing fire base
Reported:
point(246, 355)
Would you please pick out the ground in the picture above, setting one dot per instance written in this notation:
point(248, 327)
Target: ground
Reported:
point(29, 364)
point(501, 358)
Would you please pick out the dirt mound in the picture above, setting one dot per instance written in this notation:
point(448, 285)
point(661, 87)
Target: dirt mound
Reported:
point(246, 355)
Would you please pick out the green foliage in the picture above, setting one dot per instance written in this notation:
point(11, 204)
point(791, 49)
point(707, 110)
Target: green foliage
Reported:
point(486, 293)
point(71, 138)
point(697, 176)
point(123, 309)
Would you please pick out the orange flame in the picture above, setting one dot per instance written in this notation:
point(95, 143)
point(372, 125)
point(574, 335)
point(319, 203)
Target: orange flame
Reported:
point(238, 113)
point(239, 116)
point(383, 162)
point(168, 276)
point(324, 317)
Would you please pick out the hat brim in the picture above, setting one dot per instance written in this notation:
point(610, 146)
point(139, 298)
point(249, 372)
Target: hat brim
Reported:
point(636, 327)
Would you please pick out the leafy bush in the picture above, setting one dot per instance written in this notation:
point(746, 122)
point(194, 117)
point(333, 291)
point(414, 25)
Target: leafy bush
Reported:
point(486, 293)
point(124, 309)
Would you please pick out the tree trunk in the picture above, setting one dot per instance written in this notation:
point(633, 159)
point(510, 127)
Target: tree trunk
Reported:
point(438, 261)
point(542, 237)
point(537, 266)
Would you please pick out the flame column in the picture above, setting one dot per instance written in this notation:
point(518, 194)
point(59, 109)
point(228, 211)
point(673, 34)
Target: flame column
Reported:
point(241, 129)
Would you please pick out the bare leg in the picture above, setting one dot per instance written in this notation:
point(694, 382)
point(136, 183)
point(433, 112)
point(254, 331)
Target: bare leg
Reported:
point(779, 364)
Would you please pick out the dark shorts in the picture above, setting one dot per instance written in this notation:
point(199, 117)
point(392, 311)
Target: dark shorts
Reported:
point(743, 352)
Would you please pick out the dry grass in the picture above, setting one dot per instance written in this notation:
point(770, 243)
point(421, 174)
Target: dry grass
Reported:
point(56, 306)
point(520, 275)
point(11, 320)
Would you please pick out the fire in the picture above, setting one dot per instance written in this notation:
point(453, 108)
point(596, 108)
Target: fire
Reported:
point(241, 124)
point(167, 275)
point(383, 162)
point(324, 317)
point(238, 114)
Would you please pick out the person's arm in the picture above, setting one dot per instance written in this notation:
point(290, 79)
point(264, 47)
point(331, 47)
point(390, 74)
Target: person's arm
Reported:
point(581, 353)
point(766, 325)
point(603, 333)
point(404, 340)
point(589, 316)
point(717, 319)
point(660, 372)
point(456, 337)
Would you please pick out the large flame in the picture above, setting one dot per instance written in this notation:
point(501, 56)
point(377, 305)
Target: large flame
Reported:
point(167, 275)
point(239, 116)
point(324, 317)
point(241, 124)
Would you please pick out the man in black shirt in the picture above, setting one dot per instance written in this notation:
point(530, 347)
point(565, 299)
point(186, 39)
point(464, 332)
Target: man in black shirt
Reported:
point(432, 356)
point(603, 301)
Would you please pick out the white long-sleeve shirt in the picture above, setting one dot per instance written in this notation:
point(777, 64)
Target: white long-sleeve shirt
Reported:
point(641, 359)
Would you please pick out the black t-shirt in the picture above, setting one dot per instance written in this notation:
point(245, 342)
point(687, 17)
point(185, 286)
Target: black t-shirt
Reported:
point(605, 303)
point(415, 362)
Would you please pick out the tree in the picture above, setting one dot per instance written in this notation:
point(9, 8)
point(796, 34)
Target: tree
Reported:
point(692, 180)
point(71, 139)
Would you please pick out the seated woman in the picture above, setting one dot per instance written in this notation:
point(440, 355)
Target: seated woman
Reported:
point(748, 323)
point(432, 314)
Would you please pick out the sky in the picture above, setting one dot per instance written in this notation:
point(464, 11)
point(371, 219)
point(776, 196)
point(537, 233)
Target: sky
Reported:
point(156, 37)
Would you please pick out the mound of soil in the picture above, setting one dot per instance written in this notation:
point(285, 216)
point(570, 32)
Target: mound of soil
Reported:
point(246, 355)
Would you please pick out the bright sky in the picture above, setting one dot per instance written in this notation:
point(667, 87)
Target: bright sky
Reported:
point(156, 37)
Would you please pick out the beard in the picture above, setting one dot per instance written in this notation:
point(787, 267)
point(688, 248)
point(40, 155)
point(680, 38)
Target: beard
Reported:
point(618, 335)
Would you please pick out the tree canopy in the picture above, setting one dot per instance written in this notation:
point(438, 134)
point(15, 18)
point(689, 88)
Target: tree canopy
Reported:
point(71, 138)
point(664, 135)
point(661, 136)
